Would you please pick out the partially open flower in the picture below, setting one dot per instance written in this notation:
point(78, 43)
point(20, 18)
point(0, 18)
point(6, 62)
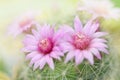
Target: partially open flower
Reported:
point(43, 46)
point(84, 42)
point(100, 8)
point(22, 24)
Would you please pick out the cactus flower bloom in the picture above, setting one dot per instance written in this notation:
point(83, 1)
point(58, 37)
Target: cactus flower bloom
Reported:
point(43, 46)
point(84, 42)
point(22, 24)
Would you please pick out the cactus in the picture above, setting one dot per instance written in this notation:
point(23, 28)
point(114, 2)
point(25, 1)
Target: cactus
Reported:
point(99, 71)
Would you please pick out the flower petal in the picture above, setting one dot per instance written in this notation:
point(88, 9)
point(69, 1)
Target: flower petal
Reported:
point(95, 52)
point(95, 40)
point(29, 48)
point(88, 55)
point(87, 27)
point(69, 56)
point(50, 62)
point(94, 28)
point(100, 34)
point(78, 57)
point(97, 45)
point(58, 50)
point(59, 53)
point(36, 34)
point(30, 36)
point(35, 58)
point(47, 31)
point(77, 24)
point(55, 55)
point(29, 41)
point(65, 46)
point(42, 63)
point(31, 55)
point(65, 29)
point(103, 50)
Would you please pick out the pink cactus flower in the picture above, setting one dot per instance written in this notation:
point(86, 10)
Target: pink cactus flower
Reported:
point(100, 8)
point(22, 24)
point(43, 46)
point(84, 42)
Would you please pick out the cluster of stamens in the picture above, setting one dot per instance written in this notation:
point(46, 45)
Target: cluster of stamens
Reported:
point(81, 41)
point(45, 46)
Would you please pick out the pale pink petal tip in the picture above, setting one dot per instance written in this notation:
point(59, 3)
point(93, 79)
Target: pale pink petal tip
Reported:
point(78, 58)
point(69, 56)
point(77, 24)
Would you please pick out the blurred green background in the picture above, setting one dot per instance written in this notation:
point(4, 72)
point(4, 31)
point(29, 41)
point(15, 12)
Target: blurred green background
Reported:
point(51, 11)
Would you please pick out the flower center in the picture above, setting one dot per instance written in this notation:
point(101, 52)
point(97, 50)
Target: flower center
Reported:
point(45, 46)
point(81, 41)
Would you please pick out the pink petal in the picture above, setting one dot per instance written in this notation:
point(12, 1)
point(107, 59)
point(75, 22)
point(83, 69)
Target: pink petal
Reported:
point(100, 34)
point(17, 32)
point(55, 55)
point(88, 55)
point(101, 45)
point(36, 65)
point(29, 41)
point(103, 50)
point(14, 29)
point(95, 40)
point(77, 24)
point(59, 53)
point(58, 50)
point(31, 55)
point(47, 31)
point(36, 34)
point(30, 48)
point(34, 59)
point(66, 46)
point(30, 36)
point(69, 56)
point(51, 32)
point(62, 32)
point(69, 38)
point(87, 27)
point(42, 63)
point(94, 28)
point(78, 57)
point(25, 28)
point(95, 52)
point(50, 62)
